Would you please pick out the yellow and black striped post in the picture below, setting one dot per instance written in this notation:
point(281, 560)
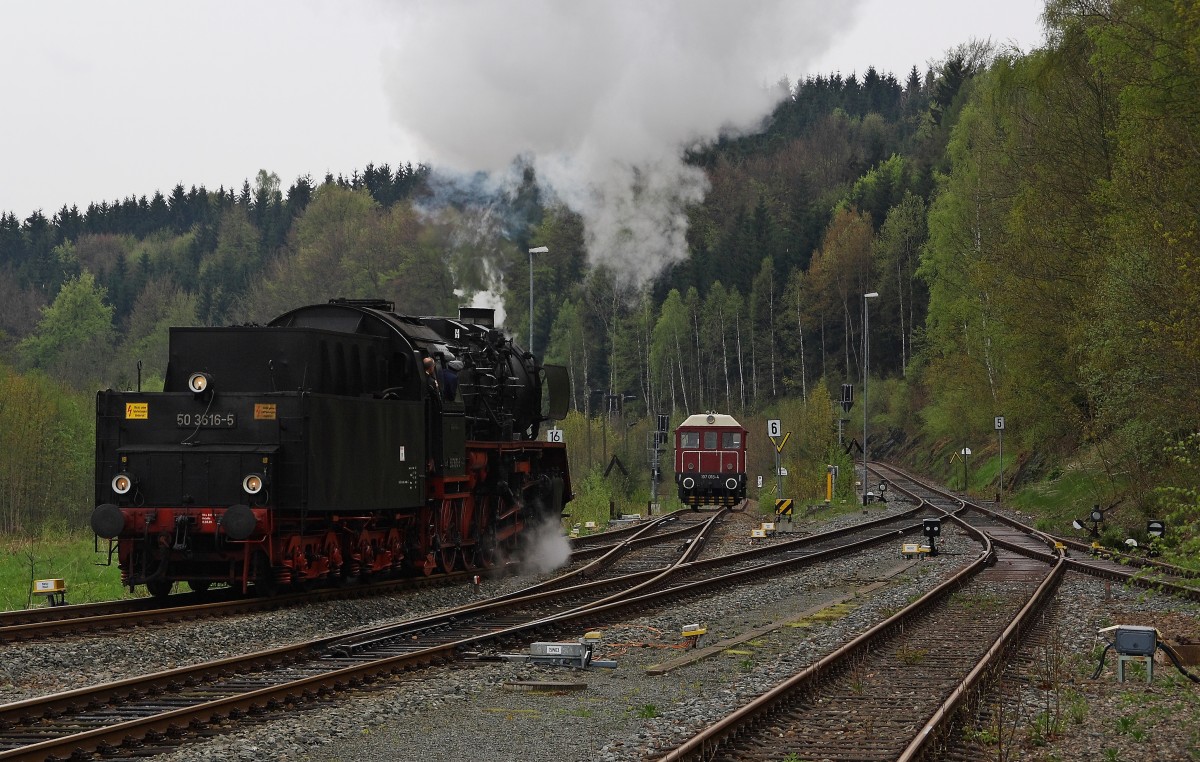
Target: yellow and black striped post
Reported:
point(783, 507)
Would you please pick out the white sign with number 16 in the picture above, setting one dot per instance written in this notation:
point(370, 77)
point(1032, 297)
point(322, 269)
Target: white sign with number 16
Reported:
point(554, 435)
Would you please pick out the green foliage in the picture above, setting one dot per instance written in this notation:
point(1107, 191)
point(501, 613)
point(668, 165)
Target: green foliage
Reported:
point(1029, 221)
point(51, 429)
point(1180, 498)
point(74, 336)
point(147, 332)
point(647, 712)
point(592, 501)
point(58, 551)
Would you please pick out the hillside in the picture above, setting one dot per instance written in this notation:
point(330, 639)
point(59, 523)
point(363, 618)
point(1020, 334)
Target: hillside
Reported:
point(1028, 220)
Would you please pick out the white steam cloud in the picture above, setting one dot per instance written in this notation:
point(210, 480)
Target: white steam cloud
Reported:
point(546, 548)
point(603, 97)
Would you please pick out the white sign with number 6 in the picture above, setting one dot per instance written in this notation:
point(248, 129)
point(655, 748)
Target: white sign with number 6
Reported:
point(774, 427)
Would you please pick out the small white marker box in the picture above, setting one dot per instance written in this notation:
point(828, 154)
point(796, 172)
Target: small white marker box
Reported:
point(49, 586)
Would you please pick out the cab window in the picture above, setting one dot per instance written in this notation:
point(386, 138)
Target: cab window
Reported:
point(689, 440)
point(731, 440)
point(710, 440)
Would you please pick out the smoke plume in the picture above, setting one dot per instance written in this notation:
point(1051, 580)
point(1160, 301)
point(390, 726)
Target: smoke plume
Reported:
point(602, 97)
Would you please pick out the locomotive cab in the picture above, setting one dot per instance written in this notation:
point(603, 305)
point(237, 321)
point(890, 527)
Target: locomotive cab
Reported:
point(710, 460)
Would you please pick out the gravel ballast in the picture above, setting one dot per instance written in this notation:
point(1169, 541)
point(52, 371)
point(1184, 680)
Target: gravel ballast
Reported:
point(471, 711)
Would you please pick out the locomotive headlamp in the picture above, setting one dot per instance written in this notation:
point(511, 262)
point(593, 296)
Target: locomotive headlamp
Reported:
point(200, 383)
point(122, 483)
point(253, 484)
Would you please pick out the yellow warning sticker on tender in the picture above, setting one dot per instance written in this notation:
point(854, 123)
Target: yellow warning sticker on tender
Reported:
point(264, 411)
point(137, 411)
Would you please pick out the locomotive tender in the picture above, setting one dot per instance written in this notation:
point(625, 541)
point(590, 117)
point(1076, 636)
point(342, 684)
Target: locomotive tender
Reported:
point(710, 460)
point(317, 448)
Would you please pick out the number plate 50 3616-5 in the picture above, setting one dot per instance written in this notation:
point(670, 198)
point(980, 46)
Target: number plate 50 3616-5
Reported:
point(206, 420)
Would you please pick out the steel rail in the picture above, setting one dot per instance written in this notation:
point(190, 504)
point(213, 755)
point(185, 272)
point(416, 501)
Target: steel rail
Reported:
point(265, 698)
point(706, 742)
point(1094, 568)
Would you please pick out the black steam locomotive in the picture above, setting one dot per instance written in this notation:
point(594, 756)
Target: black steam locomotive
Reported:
point(340, 441)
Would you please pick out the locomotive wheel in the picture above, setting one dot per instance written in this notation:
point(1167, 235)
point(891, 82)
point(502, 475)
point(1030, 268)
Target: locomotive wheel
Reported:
point(482, 552)
point(159, 588)
point(468, 533)
point(448, 537)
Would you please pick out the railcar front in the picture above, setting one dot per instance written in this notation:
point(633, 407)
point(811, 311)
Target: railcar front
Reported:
point(710, 460)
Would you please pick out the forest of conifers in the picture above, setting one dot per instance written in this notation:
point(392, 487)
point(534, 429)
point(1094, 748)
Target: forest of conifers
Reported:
point(1029, 220)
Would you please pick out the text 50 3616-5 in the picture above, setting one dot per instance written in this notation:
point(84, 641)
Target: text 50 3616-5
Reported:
point(206, 420)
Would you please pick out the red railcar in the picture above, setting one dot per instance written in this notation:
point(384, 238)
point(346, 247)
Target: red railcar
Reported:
point(710, 460)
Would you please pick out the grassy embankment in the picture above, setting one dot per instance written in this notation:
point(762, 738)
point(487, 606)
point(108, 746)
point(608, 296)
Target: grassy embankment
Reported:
point(72, 559)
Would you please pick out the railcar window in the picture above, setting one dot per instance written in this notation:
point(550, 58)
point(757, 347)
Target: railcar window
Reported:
point(731, 440)
point(710, 440)
point(689, 440)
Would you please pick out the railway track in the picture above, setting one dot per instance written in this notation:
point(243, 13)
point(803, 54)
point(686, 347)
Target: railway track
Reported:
point(896, 691)
point(154, 707)
point(57, 621)
point(182, 702)
point(1118, 566)
point(892, 692)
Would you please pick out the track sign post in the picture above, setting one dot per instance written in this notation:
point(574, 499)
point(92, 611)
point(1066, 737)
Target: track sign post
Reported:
point(965, 453)
point(774, 429)
point(1000, 433)
point(554, 435)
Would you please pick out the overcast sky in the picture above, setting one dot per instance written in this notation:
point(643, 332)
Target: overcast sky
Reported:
point(103, 100)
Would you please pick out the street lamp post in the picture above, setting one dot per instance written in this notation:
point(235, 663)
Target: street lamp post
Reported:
point(534, 250)
point(866, 375)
